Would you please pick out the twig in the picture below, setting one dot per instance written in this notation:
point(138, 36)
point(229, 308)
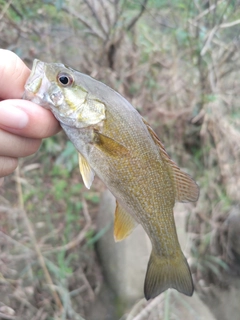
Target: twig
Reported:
point(34, 241)
point(16, 11)
point(9, 210)
point(23, 256)
point(146, 311)
point(81, 236)
point(135, 19)
point(212, 7)
point(209, 40)
point(51, 234)
point(199, 116)
point(138, 307)
point(106, 14)
point(88, 287)
point(5, 316)
point(39, 314)
point(76, 292)
point(230, 24)
point(208, 220)
point(168, 96)
point(13, 241)
point(84, 22)
point(5, 8)
point(24, 301)
point(94, 13)
point(117, 13)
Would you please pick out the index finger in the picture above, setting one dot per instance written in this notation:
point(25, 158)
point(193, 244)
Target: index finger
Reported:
point(13, 75)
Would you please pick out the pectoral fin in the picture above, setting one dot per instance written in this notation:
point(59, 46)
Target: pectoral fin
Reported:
point(109, 145)
point(186, 189)
point(124, 224)
point(86, 171)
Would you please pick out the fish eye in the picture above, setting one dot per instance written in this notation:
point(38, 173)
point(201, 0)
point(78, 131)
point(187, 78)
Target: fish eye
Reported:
point(65, 79)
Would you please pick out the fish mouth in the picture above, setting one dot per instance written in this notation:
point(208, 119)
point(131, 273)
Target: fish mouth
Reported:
point(34, 81)
point(37, 68)
point(36, 85)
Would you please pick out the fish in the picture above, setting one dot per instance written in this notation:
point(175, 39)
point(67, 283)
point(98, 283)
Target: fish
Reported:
point(118, 145)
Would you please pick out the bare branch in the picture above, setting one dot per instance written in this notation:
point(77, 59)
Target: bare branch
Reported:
point(117, 12)
point(135, 19)
point(106, 14)
point(230, 24)
point(16, 11)
point(205, 12)
point(14, 242)
point(94, 13)
point(88, 286)
point(209, 40)
point(93, 31)
point(6, 316)
point(5, 8)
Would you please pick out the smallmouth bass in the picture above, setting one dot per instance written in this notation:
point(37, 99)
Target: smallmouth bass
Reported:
point(118, 145)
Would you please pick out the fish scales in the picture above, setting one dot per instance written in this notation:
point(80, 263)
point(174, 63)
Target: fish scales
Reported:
point(118, 145)
point(157, 197)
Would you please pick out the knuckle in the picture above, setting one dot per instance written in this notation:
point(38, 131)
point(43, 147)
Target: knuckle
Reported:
point(34, 146)
point(7, 165)
point(28, 147)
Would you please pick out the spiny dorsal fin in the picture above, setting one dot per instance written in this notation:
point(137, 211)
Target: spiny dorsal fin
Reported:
point(86, 171)
point(108, 145)
point(124, 224)
point(186, 189)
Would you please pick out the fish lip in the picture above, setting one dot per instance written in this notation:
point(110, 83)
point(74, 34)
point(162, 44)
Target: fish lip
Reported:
point(35, 75)
point(34, 83)
point(37, 68)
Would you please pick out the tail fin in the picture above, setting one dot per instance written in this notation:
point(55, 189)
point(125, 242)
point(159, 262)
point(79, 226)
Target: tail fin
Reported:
point(164, 273)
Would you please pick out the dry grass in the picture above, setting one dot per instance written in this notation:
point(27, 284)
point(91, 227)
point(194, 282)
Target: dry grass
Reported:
point(44, 270)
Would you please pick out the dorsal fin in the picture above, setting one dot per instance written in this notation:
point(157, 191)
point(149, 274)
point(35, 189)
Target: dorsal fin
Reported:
point(124, 223)
point(186, 189)
point(86, 171)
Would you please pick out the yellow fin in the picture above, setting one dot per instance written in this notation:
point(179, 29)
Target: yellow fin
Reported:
point(86, 171)
point(124, 224)
point(186, 189)
point(109, 145)
point(164, 273)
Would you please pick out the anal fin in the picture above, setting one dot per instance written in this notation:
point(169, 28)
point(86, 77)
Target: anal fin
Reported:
point(86, 171)
point(124, 223)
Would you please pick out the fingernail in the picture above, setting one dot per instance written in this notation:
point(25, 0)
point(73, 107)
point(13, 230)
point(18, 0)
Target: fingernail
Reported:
point(11, 116)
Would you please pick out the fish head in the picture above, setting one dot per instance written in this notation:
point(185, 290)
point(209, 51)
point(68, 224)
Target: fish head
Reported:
point(58, 88)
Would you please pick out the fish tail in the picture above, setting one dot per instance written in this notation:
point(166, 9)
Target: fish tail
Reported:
point(167, 272)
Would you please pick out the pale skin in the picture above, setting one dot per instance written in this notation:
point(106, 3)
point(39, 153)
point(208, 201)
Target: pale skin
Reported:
point(23, 124)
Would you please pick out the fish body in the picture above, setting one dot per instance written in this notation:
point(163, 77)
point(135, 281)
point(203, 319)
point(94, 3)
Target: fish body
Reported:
point(118, 145)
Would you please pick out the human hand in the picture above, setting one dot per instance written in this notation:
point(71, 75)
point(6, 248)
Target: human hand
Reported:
point(22, 123)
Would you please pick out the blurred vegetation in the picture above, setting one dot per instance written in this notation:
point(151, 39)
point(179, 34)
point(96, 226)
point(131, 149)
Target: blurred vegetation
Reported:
point(177, 62)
